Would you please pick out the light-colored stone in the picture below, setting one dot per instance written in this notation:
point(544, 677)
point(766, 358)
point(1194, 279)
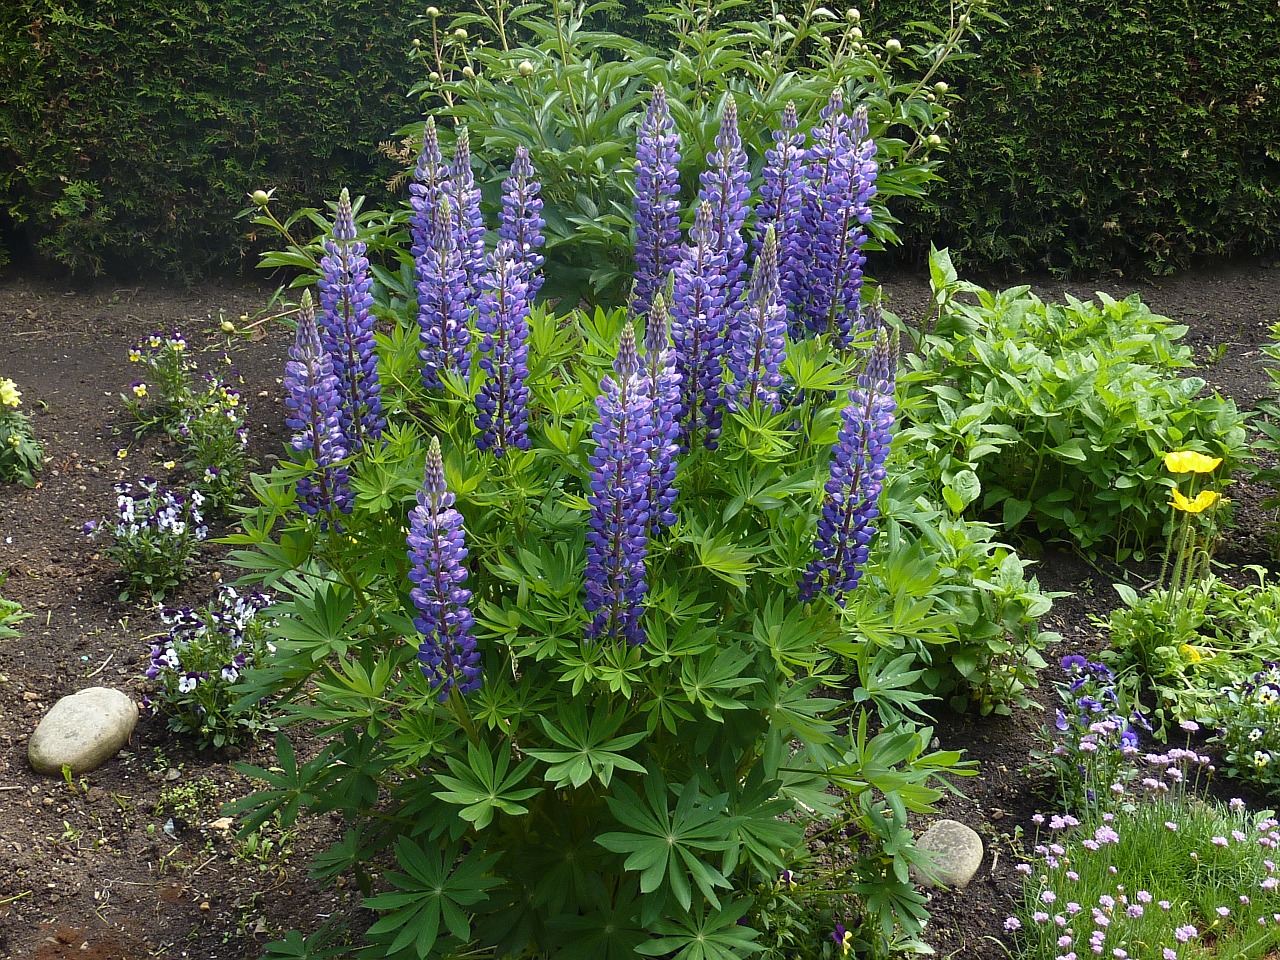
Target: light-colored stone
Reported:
point(82, 731)
point(956, 855)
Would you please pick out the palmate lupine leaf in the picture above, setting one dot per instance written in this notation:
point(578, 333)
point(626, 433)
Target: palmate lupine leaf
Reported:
point(591, 748)
point(666, 845)
point(702, 936)
point(433, 890)
point(288, 787)
point(482, 785)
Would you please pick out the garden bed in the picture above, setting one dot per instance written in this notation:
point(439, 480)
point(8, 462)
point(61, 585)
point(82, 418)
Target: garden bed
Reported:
point(134, 860)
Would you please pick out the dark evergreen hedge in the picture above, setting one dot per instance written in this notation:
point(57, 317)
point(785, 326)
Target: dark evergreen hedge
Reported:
point(1108, 133)
point(131, 130)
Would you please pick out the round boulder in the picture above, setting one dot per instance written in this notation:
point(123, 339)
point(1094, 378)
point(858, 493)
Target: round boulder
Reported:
point(955, 855)
point(82, 731)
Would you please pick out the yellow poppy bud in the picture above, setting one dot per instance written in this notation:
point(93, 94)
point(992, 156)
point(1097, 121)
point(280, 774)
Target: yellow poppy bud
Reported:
point(1202, 502)
point(1190, 652)
point(1188, 461)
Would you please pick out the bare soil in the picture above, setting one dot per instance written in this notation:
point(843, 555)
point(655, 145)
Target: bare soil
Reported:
point(133, 861)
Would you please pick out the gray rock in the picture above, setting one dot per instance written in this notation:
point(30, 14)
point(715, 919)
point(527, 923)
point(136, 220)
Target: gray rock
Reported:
point(82, 731)
point(956, 855)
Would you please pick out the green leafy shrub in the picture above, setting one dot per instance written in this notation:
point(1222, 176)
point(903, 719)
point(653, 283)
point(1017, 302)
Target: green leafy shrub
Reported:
point(130, 135)
point(1109, 134)
point(1058, 416)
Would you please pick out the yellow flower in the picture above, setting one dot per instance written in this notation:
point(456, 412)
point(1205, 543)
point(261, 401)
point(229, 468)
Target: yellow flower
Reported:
point(139, 390)
point(9, 394)
point(122, 453)
point(134, 355)
point(1203, 501)
point(1188, 461)
point(1190, 652)
point(169, 464)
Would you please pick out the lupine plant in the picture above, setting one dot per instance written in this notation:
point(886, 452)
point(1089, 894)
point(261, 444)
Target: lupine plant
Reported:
point(195, 669)
point(20, 452)
point(607, 729)
point(156, 536)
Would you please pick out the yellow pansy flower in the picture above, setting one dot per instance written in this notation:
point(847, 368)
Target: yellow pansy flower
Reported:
point(1188, 461)
point(10, 394)
point(1202, 502)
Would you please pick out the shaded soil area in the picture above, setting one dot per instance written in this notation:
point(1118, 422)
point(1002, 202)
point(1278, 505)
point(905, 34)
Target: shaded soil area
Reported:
point(133, 860)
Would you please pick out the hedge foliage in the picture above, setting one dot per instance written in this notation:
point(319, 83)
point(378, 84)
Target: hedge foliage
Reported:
point(1109, 133)
point(131, 130)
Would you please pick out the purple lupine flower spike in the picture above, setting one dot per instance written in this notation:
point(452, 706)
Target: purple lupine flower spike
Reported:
point(849, 508)
point(313, 402)
point(781, 207)
point(444, 305)
point(617, 541)
point(426, 189)
point(657, 203)
point(725, 185)
point(468, 224)
point(664, 392)
point(828, 168)
point(848, 317)
point(522, 221)
point(437, 550)
point(346, 330)
point(698, 329)
point(502, 413)
point(757, 346)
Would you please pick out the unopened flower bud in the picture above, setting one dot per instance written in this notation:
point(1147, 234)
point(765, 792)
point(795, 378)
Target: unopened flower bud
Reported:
point(934, 140)
point(416, 43)
point(892, 46)
point(260, 197)
point(227, 326)
point(468, 73)
point(433, 12)
point(460, 34)
point(433, 76)
point(940, 87)
point(780, 19)
point(853, 14)
point(525, 68)
point(856, 33)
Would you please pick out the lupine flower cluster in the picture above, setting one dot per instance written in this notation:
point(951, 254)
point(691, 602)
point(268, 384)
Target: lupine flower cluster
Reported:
point(758, 341)
point(724, 188)
point(1095, 743)
point(313, 399)
point(849, 507)
point(657, 204)
point(196, 668)
point(663, 382)
point(502, 405)
point(447, 654)
point(346, 330)
point(521, 222)
point(20, 453)
point(621, 481)
point(157, 534)
point(1249, 726)
point(1158, 882)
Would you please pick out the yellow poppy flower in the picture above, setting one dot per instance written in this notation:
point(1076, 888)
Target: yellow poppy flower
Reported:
point(1190, 652)
point(1188, 461)
point(1202, 502)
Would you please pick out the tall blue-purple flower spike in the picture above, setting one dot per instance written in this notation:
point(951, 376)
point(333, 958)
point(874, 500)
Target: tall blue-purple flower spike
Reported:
point(698, 329)
point(825, 210)
point(725, 185)
point(617, 538)
point(758, 344)
point(426, 189)
point(664, 391)
point(444, 302)
point(313, 401)
point(781, 207)
point(346, 330)
point(521, 219)
point(657, 203)
point(468, 223)
point(862, 187)
point(437, 551)
point(502, 405)
point(849, 508)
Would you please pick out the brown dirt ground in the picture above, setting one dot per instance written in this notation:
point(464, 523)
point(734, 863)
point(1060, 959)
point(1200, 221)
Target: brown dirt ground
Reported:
point(93, 873)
